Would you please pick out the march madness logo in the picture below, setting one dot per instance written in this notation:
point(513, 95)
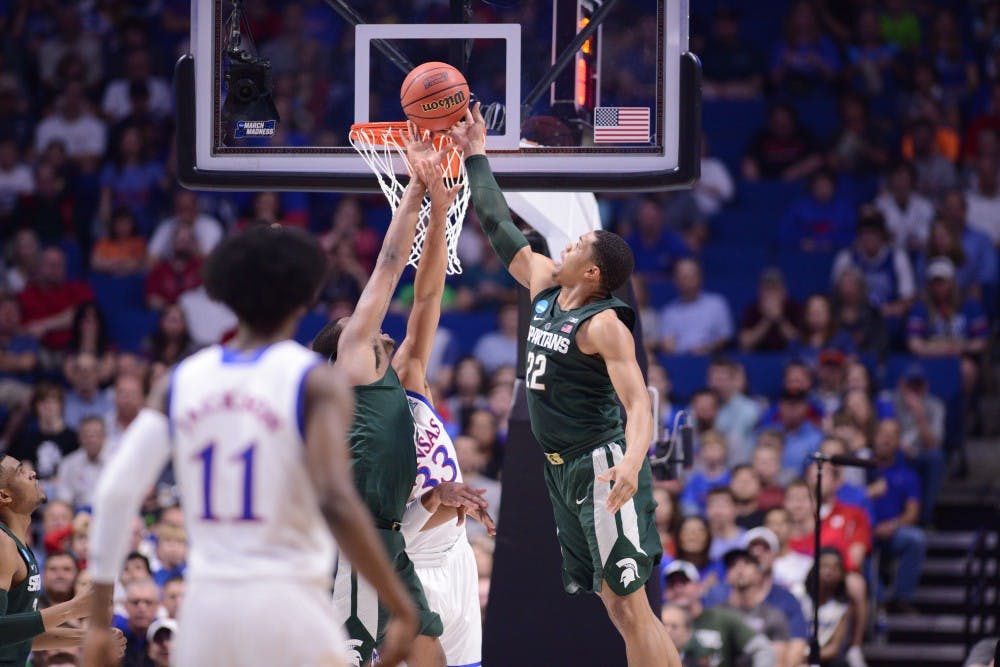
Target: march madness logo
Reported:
point(630, 570)
point(255, 128)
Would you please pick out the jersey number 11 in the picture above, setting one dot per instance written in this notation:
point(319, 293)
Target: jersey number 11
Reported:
point(207, 457)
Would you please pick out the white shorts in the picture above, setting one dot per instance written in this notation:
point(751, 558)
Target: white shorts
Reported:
point(452, 588)
point(247, 623)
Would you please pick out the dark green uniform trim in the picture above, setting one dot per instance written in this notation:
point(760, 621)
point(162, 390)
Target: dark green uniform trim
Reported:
point(22, 601)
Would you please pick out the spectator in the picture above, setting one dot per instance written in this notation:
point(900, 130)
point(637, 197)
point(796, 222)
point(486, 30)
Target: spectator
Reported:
point(887, 271)
point(766, 462)
point(696, 322)
point(345, 276)
point(468, 391)
point(805, 60)
point(80, 470)
point(834, 608)
point(206, 229)
point(693, 543)
point(818, 331)
point(737, 414)
point(680, 628)
point(802, 438)
point(499, 348)
point(789, 566)
point(132, 181)
point(57, 519)
point(74, 125)
point(830, 376)
point(977, 276)
point(954, 64)
point(23, 255)
point(770, 324)
point(935, 172)
point(842, 526)
point(869, 57)
point(170, 341)
point(745, 486)
point(983, 198)
point(984, 124)
point(783, 150)
point(908, 214)
point(921, 423)
point(71, 41)
point(852, 490)
point(895, 492)
point(711, 473)
point(472, 460)
point(857, 377)
point(704, 412)
point(58, 577)
point(821, 221)
point(122, 251)
point(715, 186)
point(266, 208)
point(46, 439)
point(141, 602)
point(15, 120)
point(171, 553)
point(746, 599)
point(117, 102)
point(16, 179)
point(50, 300)
point(85, 397)
point(798, 378)
point(18, 362)
point(854, 314)
point(160, 638)
point(801, 522)
point(656, 246)
point(482, 425)
point(845, 428)
point(128, 401)
point(859, 149)
point(658, 379)
point(721, 631)
point(90, 336)
point(49, 209)
point(667, 517)
point(173, 591)
point(944, 326)
point(732, 70)
point(177, 273)
point(720, 509)
point(348, 228)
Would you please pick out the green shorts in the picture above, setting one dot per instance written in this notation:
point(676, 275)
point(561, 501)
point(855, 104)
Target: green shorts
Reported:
point(366, 617)
point(622, 549)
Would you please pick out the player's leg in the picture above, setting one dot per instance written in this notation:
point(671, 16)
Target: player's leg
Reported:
point(452, 590)
point(625, 549)
point(427, 651)
point(356, 610)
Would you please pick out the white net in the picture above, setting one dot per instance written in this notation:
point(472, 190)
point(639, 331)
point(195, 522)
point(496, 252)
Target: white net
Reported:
point(380, 144)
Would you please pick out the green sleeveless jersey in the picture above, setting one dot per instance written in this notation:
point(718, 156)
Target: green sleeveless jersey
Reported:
point(21, 598)
point(383, 447)
point(571, 401)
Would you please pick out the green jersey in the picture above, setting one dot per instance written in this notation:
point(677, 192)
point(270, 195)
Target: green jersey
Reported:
point(571, 401)
point(21, 598)
point(723, 634)
point(383, 447)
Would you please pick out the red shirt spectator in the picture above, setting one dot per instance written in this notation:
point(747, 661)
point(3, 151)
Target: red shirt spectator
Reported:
point(50, 300)
point(178, 273)
point(842, 526)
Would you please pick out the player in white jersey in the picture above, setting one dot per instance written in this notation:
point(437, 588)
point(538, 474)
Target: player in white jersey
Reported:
point(257, 434)
point(438, 546)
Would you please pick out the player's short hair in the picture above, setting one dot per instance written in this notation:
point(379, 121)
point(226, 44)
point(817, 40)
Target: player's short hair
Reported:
point(613, 257)
point(265, 274)
point(326, 341)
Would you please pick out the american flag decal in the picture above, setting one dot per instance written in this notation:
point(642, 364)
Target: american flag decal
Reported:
point(621, 125)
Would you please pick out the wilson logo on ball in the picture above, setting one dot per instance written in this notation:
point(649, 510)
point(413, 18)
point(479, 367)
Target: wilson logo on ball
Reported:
point(445, 102)
point(432, 81)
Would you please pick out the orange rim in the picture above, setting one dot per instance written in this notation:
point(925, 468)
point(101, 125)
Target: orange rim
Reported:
point(378, 134)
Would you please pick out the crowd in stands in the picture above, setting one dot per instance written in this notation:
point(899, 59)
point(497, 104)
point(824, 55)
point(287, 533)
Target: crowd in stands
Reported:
point(830, 285)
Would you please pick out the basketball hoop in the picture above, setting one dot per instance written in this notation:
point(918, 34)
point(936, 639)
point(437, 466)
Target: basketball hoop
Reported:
point(379, 144)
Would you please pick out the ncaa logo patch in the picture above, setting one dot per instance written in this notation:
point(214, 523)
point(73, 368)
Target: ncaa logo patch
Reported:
point(542, 306)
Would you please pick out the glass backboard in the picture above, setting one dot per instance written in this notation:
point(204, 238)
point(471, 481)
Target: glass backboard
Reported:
point(580, 94)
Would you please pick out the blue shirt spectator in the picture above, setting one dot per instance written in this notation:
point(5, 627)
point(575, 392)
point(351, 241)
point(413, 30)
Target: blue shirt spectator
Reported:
point(901, 486)
point(695, 322)
point(802, 438)
point(655, 246)
point(823, 220)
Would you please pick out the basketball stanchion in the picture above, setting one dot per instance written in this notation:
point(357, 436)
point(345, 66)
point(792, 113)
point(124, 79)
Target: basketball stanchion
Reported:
point(381, 145)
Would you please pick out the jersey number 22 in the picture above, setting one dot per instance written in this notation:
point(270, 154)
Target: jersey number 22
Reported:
point(536, 369)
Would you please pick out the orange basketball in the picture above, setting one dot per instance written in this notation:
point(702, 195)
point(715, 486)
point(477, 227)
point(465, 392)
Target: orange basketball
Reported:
point(434, 96)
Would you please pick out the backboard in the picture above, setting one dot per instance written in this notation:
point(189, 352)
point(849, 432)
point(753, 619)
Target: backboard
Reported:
point(581, 95)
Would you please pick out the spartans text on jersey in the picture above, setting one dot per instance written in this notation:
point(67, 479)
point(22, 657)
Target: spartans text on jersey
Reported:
point(548, 340)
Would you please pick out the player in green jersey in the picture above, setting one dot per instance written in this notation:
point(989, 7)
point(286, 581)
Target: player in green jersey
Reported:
point(22, 626)
point(580, 357)
point(382, 435)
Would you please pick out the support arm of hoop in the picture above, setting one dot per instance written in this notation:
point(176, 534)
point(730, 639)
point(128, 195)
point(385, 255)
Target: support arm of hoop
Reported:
point(491, 208)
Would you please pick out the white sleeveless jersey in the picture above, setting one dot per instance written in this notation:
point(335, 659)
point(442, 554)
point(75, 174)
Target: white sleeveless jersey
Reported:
point(237, 422)
point(436, 462)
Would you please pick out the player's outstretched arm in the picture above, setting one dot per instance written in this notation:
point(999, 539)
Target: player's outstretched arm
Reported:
point(144, 451)
point(329, 406)
point(410, 360)
point(607, 336)
point(531, 269)
point(355, 351)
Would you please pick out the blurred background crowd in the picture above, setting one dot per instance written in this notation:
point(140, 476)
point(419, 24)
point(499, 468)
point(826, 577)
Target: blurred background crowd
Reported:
point(830, 283)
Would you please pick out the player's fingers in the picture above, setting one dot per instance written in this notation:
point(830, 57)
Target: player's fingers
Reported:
point(461, 516)
point(607, 476)
point(477, 113)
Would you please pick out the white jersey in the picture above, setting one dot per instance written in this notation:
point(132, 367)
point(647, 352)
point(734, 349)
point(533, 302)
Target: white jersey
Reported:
point(237, 422)
point(436, 462)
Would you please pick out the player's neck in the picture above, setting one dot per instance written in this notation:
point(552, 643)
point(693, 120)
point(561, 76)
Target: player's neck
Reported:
point(576, 296)
point(18, 523)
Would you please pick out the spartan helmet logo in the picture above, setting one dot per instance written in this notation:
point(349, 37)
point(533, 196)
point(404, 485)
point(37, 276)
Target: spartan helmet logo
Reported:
point(353, 654)
point(630, 570)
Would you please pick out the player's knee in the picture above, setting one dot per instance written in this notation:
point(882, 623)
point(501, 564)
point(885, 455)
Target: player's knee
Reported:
point(625, 611)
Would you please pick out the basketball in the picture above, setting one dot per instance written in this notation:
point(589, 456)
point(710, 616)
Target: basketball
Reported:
point(434, 96)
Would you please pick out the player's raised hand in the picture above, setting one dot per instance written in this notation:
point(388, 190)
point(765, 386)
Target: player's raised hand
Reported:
point(470, 134)
point(428, 169)
point(462, 497)
point(624, 479)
